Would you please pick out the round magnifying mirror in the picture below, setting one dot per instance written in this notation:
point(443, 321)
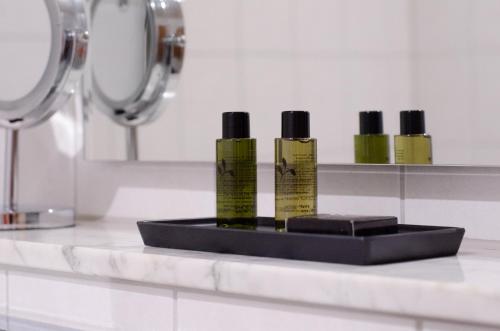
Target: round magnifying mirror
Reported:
point(43, 47)
point(136, 53)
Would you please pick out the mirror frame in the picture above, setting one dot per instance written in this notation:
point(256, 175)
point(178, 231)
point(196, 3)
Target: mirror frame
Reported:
point(165, 53)
point(68, 52)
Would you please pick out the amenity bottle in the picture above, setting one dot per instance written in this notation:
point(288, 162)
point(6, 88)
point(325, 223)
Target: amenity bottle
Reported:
point(371, 145)
point(296, 187)
point(236, 173)
point(413, 145)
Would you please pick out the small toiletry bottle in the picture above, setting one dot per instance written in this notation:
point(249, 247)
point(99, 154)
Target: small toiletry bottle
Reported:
point(371, 145)
point(413, 145)
point(236, 173)
point(296, 182)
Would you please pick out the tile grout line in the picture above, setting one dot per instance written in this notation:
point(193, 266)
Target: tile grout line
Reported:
point(175, 322)
point(7, 299)
point(419, 325)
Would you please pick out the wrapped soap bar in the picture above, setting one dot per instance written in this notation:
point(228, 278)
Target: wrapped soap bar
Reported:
point(349, 225)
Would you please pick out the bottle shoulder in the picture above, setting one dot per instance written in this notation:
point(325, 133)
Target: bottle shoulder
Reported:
point(372, 135)
point(425, 135)
point(221, 140)
point(296, 139)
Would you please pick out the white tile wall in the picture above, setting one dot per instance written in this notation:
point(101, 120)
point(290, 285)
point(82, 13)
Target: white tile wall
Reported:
point(465, 197)
point(268, 25)
point(217, 313)
point(448, 196)
point(179, 190)
point(269, 88)
point(47, 161)
point(332, 58)
point(210, 25)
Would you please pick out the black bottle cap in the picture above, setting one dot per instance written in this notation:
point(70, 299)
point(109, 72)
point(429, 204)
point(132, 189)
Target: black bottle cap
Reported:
point(412, 122)
point(295, 124)
point(235, 125)
point(371, 122)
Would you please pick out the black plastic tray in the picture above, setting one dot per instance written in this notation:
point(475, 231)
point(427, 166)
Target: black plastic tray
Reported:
point(412, 242)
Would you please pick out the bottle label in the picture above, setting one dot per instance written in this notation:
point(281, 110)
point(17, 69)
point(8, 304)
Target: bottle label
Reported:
point(413, 149)
point(296, 180)
point(236, 180)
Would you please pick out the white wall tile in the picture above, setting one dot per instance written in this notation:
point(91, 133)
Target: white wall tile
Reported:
point(335, 90)
point(357, 27)
point(268, 90)
point(153, 191)
point(155, 139)
point(208, 88)
point(210, 25)
point(464, 197)
point(46, 169)
point(88, 305)
point(486, 25)
point(146, 191)
point(343, 190)
point(378, 26)
point(268, 25)
point(317, 19)
point(438, 34)
point(203, 312)
point(445, 89)
point(361, 191)
point(483, 118)
point(98, 126)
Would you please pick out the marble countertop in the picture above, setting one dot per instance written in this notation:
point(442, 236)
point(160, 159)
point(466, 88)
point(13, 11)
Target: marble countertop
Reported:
point(462, 288)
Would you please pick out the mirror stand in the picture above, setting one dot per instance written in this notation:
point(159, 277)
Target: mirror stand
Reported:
point(132, 143)
point(14, 218)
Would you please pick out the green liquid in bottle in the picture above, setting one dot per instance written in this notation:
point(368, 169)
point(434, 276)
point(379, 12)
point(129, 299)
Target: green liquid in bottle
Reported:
point(413, 149)
point(296, 187)
point(371, 148)
point(236, 183)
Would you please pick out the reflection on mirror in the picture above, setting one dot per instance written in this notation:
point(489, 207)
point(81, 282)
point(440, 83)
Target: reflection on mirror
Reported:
point(43, 51)
point(136, 53)
point(335, 59)
point(28, 35)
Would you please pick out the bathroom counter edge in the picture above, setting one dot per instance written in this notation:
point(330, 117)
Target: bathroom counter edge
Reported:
point(461, 288)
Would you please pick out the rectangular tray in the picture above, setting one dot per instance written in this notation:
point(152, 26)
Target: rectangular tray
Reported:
point(412, 242)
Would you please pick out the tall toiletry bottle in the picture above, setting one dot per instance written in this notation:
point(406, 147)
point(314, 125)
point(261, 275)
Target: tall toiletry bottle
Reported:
point(371, 145)
point(296, 180)
point(236, 173)
point(413, 145)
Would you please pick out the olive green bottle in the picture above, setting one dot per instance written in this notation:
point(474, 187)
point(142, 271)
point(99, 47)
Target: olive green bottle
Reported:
point(296, 180)
point(413, 145)
point(236, 173)
point(371, 145)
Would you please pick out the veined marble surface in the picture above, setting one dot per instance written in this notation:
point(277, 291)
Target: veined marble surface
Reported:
point(462, 288)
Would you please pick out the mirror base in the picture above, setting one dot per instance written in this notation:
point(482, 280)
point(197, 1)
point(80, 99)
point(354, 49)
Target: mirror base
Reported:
point(36, 219)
